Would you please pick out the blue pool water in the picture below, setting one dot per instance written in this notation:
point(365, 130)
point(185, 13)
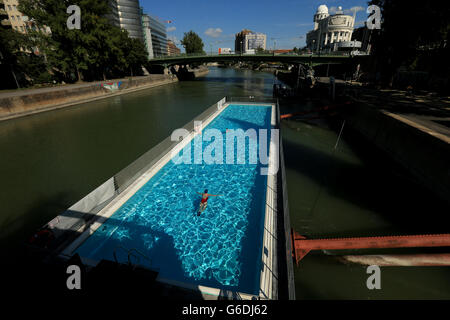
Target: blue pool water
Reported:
point(221, 247)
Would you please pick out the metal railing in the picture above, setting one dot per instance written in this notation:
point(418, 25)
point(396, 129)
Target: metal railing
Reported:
point(130, 253)
point(83, 213)
point(262, 54)
point(254, 99)
point(85, 210)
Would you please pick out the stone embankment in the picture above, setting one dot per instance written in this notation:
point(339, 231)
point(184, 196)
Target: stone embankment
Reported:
point(20, 103)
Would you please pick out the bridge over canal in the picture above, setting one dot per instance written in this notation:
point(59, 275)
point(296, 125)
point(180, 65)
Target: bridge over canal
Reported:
point(311, 60)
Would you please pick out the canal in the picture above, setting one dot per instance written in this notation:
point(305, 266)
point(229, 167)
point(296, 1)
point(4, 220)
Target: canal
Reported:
point(50, 160)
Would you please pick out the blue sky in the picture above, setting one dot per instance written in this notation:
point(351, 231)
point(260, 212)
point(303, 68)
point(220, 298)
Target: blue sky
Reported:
point(217, 21)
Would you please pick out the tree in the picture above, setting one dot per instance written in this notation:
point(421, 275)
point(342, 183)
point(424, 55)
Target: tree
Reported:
point(135, 55)
point(260, 50)
point(412, 37)
point(10, 40)
point(192, 43)
point(96, 51)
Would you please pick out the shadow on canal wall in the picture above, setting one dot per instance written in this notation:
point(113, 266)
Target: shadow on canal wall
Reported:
point(424, 155)
point(382, 185)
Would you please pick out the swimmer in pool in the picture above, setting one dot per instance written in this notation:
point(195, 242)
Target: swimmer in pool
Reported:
point(205, 195)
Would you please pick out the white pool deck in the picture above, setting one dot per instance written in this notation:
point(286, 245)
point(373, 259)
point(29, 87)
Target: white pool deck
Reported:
point(268, 277)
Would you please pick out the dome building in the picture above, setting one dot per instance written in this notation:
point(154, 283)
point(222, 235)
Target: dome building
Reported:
point(331, 32)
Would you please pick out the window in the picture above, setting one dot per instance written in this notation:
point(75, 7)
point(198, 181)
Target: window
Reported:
point(13, 18)
point(9, 7)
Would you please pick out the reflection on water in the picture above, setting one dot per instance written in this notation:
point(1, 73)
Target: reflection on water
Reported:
point(356, 191)
point(51, 160)
point(222, 247)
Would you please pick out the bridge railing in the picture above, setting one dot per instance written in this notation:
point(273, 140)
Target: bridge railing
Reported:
point(262, 54)
point(181, 55)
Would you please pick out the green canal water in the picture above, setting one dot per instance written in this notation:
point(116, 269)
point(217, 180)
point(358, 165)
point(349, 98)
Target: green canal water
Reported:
point(50, 160)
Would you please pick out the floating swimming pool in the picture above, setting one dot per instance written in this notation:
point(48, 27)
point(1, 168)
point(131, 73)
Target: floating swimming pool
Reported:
point(222, 247)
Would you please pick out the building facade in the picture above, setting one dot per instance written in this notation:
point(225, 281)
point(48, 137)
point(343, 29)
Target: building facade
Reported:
point(172, 49)
point(363, 35)
point(239, 42)
point(126, 14)
point(147, 35)
point(17, 20)
point(4, 17)
point(225, 51)
point(15, 16)
point(255, 41)
point(331, 32)
point(159, 36)
point(248, 41)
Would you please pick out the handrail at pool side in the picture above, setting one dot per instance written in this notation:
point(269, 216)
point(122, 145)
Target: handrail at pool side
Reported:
point(252, 99)
point(83, 213)
point(130, 253)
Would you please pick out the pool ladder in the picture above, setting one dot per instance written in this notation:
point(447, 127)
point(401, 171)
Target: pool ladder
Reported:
point(131, 252)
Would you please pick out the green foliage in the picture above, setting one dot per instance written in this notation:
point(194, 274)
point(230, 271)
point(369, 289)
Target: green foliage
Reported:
point(96, 51)
point(10, 40)
point(192, 43)
point(15, 62)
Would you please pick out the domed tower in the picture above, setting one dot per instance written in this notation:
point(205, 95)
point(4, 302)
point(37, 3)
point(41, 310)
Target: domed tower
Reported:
point(322, 13)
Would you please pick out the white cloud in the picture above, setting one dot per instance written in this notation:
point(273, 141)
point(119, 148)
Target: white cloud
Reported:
point(215, 33)
point(170, 29)
point(173, 38)
point(332, 10)
point(354, 9)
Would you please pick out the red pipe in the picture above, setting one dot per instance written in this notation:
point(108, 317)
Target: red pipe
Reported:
point(301, 246)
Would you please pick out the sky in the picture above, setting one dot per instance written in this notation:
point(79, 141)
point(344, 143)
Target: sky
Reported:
point(285, 22)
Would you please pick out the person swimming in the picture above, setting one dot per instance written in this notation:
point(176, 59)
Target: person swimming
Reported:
point(204, 202)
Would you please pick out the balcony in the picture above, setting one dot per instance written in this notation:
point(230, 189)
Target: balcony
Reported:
point(6, 23)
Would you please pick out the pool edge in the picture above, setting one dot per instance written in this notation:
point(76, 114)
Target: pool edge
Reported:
point(269, 272)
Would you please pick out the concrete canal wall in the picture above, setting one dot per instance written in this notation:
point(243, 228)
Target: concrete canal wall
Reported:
point(21, 103)
point(423, 152)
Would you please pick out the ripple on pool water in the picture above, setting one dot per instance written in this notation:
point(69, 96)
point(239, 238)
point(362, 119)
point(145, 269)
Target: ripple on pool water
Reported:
point(160, 220)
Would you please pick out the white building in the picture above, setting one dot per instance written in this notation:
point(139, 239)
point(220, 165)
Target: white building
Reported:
point(253, 41)
point(126, 14)
point(147, 35)
point(331, 32)
point(224, 50)
point(248, 40)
